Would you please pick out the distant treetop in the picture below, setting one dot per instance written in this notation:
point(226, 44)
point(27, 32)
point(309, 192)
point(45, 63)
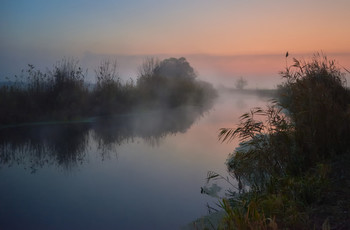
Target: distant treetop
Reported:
point(173, 67)
point(241, 83)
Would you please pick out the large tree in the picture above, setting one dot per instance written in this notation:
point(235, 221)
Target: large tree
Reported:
point(175, 67)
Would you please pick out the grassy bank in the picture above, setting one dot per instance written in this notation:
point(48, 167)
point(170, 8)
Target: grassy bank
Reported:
point(63, 93)
point(292, 165)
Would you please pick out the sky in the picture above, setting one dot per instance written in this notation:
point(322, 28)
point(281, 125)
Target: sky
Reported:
point(41, 32)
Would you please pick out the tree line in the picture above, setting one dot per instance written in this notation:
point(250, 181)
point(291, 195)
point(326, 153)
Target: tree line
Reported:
point(63, 93)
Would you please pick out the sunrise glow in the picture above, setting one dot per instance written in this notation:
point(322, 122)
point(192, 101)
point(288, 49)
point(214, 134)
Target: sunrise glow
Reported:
point(45, 31)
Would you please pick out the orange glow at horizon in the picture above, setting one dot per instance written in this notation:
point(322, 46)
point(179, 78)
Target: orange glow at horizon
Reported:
point(175, 28)
point(265, 29)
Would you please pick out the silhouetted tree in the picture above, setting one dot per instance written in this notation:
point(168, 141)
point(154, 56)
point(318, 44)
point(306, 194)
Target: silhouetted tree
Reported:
point(241, 83)
point(173, 67)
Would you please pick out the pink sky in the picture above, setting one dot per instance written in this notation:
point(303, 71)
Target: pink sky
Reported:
point(226, 38)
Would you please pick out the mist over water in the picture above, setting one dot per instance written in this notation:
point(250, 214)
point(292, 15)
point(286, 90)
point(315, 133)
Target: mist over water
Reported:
point(65, 144)
point(140, 168)
point(261, 71)
point(110, 113)
point(135, 171)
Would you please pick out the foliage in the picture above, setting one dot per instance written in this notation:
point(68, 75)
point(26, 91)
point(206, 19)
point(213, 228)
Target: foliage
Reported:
point(68, 94)
point(247, 216)
point(171, 83)
point(110, 95)
point(57, 94)
point(175, 68)
point(283, 163)
point(318, 102)
point(62, 93)
point(264, 148)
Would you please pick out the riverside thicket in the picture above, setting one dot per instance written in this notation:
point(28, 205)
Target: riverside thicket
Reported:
point(292, 165)
point(64, 94)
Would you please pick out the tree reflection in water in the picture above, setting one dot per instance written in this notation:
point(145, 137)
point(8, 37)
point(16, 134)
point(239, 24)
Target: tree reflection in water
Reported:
point(66, 145)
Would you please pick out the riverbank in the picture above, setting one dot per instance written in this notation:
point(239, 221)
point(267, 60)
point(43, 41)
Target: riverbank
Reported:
point(292, 165)
point(62, 94)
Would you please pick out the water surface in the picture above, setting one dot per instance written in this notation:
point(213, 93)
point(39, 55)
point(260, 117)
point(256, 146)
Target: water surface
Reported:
point(137, 171)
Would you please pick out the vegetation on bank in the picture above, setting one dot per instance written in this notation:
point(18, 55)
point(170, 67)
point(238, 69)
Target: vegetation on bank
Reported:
point(292, 165)
point(63, 93)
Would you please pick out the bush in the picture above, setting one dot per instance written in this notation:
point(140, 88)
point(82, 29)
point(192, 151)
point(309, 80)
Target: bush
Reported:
point(171, 83)
point(107, 93)
point(283, 162)
point(318, 103)
point(62, 94)
point(68, 95)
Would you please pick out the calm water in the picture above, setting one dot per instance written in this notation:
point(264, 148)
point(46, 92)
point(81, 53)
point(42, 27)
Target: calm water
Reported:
point(136, 171)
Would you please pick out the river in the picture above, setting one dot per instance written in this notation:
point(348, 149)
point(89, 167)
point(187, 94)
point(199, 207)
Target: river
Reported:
point(136, 171)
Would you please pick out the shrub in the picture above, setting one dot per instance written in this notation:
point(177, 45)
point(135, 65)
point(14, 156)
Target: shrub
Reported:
point(62, 94)
point(318, 102)
point(68, 95)
point(283, 162)
point(171, 83)
point(108, 91)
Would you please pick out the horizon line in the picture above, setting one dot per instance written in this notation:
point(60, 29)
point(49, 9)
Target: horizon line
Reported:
point(291, 53)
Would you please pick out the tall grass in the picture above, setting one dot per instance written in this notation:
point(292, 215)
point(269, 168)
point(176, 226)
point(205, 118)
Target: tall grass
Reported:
point(283, 163)
point(62, 93)
point(57, 94)
point(110, 95)
point(318, 101)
